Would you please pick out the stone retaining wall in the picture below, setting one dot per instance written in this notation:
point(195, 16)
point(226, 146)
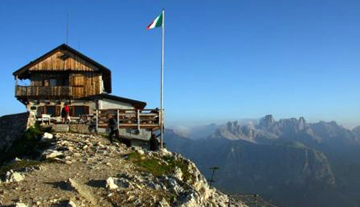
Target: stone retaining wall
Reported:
point(12, 127)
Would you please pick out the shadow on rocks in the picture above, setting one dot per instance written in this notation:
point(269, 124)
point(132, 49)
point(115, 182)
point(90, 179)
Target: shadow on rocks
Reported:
point(63, 203)
point(61, 184)
point(97, 183)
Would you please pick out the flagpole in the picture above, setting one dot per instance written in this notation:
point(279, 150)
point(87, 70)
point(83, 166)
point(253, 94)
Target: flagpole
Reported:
point(162, 81)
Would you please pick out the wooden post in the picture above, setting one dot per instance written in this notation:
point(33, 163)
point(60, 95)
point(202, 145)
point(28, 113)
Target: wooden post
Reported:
point(117, 118)
point(16, 84)
point(138, 119)
point(97, 120)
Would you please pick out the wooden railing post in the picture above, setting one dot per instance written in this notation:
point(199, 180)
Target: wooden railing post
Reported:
point(16, 84)
point(138, 119)
point(97, 120)
point(117, 118)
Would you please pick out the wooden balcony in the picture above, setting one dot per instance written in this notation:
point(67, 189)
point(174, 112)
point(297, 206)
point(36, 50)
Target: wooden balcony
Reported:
point(45, 91)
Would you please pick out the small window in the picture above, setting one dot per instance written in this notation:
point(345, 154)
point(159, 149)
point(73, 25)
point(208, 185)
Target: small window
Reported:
point(77, 111)
point(65, 82)
point(53, 82)
point(51, 110)
point(40, 110)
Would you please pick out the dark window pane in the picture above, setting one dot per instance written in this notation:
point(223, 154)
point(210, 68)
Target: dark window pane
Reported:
point(79, 110)
point(66, 82)
point(51, 110)
point(39, 111)
point(53, 82)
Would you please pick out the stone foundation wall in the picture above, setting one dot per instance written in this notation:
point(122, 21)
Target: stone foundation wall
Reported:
point(74, 128)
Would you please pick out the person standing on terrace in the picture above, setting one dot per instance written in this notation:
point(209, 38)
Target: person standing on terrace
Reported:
point(65, 114)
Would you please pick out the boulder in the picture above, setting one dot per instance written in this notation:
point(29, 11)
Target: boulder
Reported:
point(110, 183)
point(14, 177)
point(47, 136)
point(140, 152)
point(71, 204)
point(178, 173)
point(164, 152)
point(21, 205)
point(53, 154)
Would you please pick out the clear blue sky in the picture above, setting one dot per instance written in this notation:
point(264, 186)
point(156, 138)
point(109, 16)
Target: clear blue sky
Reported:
point(224, 59)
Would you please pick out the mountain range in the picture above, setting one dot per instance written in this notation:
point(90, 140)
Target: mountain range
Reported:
point(289, 162)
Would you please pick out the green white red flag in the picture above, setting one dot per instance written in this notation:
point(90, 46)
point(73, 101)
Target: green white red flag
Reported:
point(158, 22)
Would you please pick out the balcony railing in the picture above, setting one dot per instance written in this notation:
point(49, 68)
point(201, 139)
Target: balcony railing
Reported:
point(44, 91)
point(130, 118)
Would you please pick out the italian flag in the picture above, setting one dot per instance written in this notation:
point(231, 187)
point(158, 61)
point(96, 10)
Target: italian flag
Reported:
point(158, 22)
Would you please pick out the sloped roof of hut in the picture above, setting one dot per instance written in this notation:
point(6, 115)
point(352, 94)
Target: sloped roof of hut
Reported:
point(56, 60)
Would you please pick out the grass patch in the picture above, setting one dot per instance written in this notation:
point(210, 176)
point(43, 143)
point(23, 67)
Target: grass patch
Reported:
point(32, 133)
point(159, 166)
point(104, 135)
point(18, 165)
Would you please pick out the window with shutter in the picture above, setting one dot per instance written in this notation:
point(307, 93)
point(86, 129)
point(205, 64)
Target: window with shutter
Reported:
point(58, 109)
point(86, 109)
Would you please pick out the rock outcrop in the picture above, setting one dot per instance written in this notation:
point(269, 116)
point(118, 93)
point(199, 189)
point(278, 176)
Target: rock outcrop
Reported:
point(86, 170)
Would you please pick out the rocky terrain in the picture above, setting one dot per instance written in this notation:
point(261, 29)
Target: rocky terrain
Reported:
point(86, 170)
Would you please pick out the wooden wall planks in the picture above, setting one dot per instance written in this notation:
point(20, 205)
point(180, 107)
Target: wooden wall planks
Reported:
point(63, 61)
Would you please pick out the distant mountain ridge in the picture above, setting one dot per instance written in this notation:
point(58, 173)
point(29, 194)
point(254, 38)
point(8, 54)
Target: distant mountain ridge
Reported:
point(290, 161)
point(268, 128)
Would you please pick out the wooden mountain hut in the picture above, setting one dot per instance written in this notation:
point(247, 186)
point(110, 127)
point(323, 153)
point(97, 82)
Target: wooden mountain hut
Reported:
point(64, 75)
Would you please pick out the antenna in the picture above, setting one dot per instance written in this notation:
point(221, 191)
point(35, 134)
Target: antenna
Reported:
point(212, 180)
point(67, 28)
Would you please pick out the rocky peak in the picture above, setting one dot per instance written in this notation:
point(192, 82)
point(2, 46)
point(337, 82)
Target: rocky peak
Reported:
point(301, 124)
point(267, 121)
point(233, 127)
point(356, 132)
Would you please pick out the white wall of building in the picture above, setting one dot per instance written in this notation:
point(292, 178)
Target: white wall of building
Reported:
point(111, 104)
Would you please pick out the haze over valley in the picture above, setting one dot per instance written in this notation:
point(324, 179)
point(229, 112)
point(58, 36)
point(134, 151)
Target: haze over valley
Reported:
point(289, 161)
